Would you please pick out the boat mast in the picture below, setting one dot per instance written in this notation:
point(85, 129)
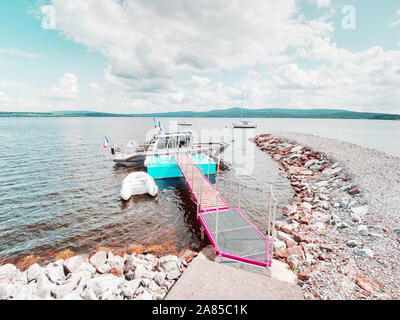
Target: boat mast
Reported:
point(183, 101)
point(241, 106)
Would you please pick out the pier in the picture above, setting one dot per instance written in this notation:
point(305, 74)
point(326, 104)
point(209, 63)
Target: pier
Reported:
point(231, 233)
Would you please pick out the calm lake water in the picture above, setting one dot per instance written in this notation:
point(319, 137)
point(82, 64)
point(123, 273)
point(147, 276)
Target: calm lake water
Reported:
point(59, 187)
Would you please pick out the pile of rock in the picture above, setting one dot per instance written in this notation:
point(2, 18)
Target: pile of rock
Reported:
point(103, 276)
point(325, 229)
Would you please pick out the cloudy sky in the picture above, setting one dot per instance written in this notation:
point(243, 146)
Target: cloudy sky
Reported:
point(165, 55)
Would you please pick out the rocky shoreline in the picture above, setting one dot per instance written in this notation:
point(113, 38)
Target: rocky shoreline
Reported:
point(331, 238)
point(100, 276)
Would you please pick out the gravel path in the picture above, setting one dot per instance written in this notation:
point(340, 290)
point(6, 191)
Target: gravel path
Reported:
point(377, 175)
point(376, 172)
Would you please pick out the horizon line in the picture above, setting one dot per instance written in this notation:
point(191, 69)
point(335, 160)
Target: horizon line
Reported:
point(192, 111)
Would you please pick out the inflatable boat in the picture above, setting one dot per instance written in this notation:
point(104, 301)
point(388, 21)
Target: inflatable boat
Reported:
point(138, 183)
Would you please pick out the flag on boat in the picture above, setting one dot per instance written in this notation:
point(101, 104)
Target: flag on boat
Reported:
point(159, 125)
point(106, 142)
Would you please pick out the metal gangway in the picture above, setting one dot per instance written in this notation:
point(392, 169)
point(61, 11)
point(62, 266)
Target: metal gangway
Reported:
point(231, 233)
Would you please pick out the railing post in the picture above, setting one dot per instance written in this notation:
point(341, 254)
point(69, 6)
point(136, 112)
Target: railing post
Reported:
point(201, 190)
point(197, 207)
point(197, 183)
point(269, 214)
point(216, 220)
point(239, 194)
point(208, 169)
point(231, 197)
point(273, 223)
point(216, 176)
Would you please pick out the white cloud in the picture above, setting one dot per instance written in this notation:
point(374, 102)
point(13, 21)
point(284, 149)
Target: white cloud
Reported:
point(94, 85)
point(364, 81)
point(196, 81)
point(67, 88)
point(323, 3)
point(160, 39)
point(4, 97)
point(164, 52)
point(152, 45)
point(19, 53)
point(319, 49)
point(290, 76)
point(397, 22)
point(21, 97)
point(11, 84)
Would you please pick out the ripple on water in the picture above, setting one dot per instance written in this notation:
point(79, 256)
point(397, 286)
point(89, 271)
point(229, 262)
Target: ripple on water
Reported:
point(60, 189)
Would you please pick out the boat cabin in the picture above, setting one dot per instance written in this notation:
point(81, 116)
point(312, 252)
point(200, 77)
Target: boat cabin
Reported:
point(172, 141)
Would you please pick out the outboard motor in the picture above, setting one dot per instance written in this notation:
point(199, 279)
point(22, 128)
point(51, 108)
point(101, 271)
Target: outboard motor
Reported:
point(112, 151)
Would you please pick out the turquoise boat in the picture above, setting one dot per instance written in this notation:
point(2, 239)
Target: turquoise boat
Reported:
point(162, 167)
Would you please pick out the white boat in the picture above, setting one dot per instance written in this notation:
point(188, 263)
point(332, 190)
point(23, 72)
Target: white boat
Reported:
point(138, 183)
point(244, 124)
point(162, 143)
point(184, 122)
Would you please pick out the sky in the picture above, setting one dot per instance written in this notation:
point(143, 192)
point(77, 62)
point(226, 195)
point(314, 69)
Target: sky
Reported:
point(132, 56)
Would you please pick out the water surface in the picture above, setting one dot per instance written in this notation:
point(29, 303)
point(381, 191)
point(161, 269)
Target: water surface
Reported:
point(60, 189)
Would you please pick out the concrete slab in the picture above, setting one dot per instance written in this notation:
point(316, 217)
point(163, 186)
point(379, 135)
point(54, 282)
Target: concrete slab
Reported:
point(208, 280)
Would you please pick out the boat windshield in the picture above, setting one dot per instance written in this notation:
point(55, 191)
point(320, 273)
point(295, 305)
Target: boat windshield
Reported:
point(174, 142)
point(162, 143)
point(184, 141)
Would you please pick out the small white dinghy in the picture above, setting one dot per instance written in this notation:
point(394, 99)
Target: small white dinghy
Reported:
point(138, 183)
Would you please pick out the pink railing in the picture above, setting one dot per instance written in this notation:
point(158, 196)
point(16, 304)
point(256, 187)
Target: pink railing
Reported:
point(184, 161)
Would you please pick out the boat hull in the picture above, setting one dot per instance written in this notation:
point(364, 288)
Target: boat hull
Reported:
point(138, 159)
point(245, 126)
point(167, 167)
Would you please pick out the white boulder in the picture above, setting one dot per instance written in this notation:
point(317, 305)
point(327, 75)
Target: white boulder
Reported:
point(72, 264)
point(34, 271)
point(98, 259)
point(8, 272)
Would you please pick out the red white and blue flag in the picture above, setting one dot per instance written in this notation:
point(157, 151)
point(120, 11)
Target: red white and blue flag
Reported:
point(106, 142)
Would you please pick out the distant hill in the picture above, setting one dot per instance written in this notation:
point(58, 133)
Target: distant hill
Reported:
point(226, 113)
